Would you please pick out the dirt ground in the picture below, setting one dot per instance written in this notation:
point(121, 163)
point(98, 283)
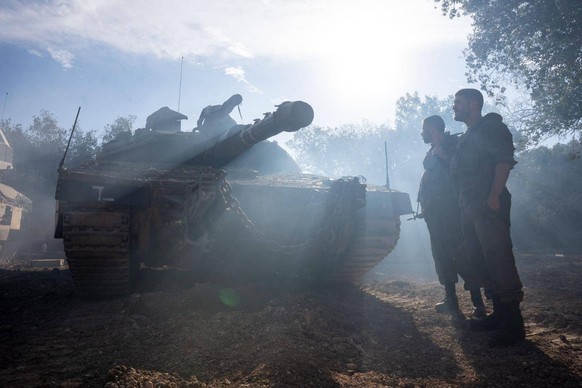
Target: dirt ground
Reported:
point(382, 333)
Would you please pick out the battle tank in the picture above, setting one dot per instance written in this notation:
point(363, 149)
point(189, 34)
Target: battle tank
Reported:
point(221, 203)
point(13, 205)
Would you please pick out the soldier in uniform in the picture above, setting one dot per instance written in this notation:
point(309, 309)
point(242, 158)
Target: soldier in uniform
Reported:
point(438, 199)
point(215, 120)
point(481, 166)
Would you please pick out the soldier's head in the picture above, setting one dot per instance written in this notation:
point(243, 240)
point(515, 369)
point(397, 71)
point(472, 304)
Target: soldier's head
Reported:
point(468, 104)
point(431, 127)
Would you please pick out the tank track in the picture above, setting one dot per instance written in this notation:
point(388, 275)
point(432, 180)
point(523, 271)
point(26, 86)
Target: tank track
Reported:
point(375, 236)
point(97, 245)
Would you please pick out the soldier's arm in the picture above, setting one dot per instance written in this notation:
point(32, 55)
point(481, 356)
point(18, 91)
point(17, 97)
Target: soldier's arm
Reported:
point(500, 146)
point(500, 177)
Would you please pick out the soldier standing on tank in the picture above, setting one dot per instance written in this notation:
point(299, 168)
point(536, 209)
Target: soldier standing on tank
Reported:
point(438, 199)
point(215, 120)
point(481, 166)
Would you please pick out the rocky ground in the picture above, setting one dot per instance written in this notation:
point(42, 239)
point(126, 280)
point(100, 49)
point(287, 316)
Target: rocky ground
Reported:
point(383, 333)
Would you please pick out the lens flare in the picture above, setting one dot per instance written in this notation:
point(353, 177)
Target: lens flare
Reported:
point(229, 297)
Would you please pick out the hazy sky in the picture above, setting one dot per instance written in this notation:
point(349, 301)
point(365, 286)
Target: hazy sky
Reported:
point(349, 59)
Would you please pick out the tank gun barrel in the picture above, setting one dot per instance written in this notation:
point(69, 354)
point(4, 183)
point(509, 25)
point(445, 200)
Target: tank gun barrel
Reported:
point(290, 116)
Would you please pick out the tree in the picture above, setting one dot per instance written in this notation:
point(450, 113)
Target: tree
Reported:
point(547, 195)
point(121, 125)
point(83, 147)
point(39, 149)
point(14, 133)
point(37, 152)
point(536, 44)
point(351, 149)
point(45, 133)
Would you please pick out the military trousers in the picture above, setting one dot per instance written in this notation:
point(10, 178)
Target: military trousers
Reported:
point(448, 248)
point(444, 243)
point(489, 246)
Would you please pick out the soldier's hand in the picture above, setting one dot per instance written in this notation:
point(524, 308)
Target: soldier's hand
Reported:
point(493, 203)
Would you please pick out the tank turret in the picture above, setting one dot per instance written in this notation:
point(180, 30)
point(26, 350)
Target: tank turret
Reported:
point(13, 205)
point(209, 144)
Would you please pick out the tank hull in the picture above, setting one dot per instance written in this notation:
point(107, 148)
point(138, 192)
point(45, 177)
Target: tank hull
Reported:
point(116, 218)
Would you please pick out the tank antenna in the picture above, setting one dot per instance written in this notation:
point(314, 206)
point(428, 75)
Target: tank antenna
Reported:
point(4, 106)
point(69, 143)
point(386, 156)
point(180, 88)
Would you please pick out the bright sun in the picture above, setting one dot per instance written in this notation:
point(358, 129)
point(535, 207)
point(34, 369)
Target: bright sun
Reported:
point(366, 75)
point(365, 55)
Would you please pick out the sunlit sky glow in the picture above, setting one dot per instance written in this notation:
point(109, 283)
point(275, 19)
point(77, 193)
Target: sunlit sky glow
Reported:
point(350, 60)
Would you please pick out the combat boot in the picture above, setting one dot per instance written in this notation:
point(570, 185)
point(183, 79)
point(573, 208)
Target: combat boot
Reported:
point(510, 329)
point(479, 310)
point(489, 322)
point(450, 305)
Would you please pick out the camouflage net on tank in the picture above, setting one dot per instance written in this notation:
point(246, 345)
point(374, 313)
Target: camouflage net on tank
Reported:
point(346, 196)
point(204, 206)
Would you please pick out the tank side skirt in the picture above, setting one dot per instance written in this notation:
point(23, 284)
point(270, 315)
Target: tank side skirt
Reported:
point(375, 238)
point(97, 246)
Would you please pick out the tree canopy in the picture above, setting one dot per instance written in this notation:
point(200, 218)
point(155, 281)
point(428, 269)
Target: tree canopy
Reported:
point(39, 149)
point(122, 124)
point(547, 193)
point(536, 44)
point(350, 149)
